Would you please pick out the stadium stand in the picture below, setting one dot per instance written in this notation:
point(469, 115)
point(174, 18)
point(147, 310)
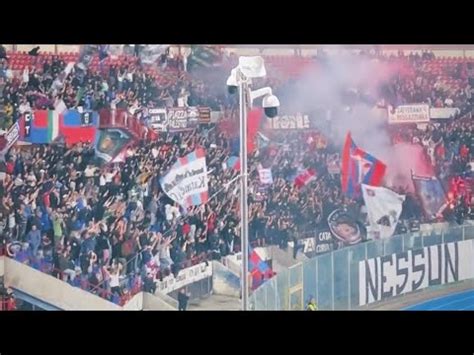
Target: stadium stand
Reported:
point(110, 229)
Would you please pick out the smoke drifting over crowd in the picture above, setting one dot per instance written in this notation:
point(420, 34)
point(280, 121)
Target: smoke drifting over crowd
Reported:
point(348, 86)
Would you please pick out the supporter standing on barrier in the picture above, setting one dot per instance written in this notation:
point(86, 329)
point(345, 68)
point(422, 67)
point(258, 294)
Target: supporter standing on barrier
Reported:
point(183, 298)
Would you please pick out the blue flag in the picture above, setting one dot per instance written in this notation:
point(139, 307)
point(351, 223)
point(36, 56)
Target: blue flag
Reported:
point(431, 193)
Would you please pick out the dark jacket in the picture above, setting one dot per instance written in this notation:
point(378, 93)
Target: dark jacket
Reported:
point(182, 300)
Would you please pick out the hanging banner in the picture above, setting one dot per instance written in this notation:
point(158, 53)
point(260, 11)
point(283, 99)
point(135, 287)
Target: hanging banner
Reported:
point(182, 118)
point(289, 122)
point(344, 227)
point(78, 126)
point(392, 275)
point(177, 119)
point(27, 121)
point(111, 142)
point(431, 193)
point(185, 277)
point(419, 113)
point(158, 119)
point(444, 113)
point(204, 115)
point(321, 241)
point(45, 126)
point(186, 182)
point(40, 126)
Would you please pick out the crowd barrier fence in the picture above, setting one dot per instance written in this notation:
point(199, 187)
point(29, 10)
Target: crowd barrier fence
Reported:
point(332, 279)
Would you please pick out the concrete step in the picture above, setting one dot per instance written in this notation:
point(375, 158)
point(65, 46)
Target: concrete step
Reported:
point(216, 303)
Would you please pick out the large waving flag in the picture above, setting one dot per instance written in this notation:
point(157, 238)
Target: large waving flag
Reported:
point(384, 207)
point(359, 167)
point(259, 269)
point(186, 182)
point(254, 119)
point(431, 193)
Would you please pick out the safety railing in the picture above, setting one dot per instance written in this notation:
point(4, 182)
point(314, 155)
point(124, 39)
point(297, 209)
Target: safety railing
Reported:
point(342, 280)
point(131, 282)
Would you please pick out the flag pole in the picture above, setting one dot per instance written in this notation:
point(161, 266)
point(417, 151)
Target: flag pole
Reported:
point(243, 187)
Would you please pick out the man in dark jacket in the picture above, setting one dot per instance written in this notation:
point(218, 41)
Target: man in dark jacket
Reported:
point(183, 298)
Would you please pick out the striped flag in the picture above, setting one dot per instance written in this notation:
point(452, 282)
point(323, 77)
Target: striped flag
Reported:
point(44, 126)
point(259, 269)
point(53, 127)
point(359, 167)
point(186, 182)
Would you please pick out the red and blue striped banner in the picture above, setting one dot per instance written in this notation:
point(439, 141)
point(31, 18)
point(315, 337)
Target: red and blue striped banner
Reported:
point(359, 167)
point(44, 126)
point(186, 182)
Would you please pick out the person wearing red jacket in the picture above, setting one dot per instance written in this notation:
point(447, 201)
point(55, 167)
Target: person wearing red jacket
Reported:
point(8, 301)
point(464, 151)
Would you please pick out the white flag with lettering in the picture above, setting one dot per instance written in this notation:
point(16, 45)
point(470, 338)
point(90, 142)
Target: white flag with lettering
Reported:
point(186, 182)
point(384, 207)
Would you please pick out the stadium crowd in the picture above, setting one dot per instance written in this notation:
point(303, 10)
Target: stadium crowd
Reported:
point(50, 82)
point(111, 229)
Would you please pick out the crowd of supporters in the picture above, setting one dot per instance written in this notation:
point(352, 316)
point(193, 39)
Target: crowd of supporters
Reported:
point(50, 82)
point(90, 223)
point(112, 231)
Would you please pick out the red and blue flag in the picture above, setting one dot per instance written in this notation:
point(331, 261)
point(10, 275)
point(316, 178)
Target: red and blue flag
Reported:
point(233, 163)
point(359, 167)
point(44, 126)
point(259, 269)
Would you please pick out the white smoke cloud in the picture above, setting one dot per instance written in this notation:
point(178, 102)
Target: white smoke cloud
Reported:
point(323, 87)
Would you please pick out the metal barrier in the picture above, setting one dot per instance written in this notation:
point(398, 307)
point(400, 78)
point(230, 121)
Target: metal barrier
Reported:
point(333, 278)
point(102, 288)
